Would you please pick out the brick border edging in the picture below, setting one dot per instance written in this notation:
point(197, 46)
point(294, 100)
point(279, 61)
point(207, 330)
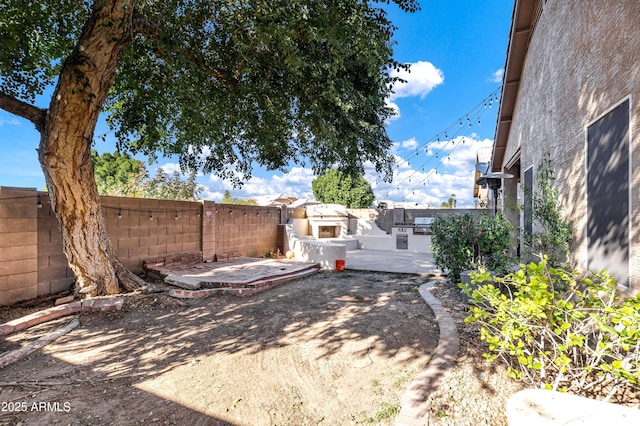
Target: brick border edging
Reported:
point(258, 286)
point(89, 305)
point(413, 404)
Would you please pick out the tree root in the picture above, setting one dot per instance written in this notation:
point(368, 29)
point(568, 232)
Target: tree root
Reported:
point(130, 282)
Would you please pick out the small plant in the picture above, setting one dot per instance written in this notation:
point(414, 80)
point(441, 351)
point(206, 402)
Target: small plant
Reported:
point(558, 330)
point(387, 411)
point(553, 234)
point(462, 241)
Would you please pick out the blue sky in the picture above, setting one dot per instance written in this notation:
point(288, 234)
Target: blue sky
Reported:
point(457, 49)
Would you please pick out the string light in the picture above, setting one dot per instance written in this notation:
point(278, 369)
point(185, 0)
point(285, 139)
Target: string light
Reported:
point(434, 153)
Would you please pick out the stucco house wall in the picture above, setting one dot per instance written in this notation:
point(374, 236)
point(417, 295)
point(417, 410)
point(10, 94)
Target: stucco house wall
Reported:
point(582, 59)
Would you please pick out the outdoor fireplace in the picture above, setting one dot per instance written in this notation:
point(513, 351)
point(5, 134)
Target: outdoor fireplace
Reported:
point(328, 231)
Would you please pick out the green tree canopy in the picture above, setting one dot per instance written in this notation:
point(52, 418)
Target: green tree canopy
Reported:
point(162, 185)
point(119, 174)
point(114, 170)
point(337, 187)
point(220, 84)
point(450, 203)
point(227, 198)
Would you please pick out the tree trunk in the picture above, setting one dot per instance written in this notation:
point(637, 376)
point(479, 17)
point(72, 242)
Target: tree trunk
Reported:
point(65, 150)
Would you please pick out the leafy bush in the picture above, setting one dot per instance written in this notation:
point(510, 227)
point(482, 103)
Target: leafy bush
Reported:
point(557, 330)
point(462, 241)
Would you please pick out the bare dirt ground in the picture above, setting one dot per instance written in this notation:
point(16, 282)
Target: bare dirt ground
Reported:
point(329, 349)
point(473, 392)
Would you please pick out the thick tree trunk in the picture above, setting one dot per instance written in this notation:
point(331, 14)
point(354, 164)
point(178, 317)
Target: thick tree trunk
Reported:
point(65, 150)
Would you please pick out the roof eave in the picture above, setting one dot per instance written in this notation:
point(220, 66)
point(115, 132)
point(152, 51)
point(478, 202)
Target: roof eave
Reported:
point(519, 36)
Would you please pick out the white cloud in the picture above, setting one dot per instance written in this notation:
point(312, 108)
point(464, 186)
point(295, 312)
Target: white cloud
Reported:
point(171, 168)
point(447, 168)
point(421, 78)
point(424, 179)
point(496, 77)
point(296, 182)
point(411, 143)
point(394, 107)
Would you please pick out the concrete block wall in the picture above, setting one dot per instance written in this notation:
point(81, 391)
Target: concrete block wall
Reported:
point(53, 271)
point(141, 227)
point(32, 261)
point(18, 244)
point(251, 230)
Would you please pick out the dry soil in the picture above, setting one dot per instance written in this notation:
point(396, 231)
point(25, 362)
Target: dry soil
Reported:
point(329, 349)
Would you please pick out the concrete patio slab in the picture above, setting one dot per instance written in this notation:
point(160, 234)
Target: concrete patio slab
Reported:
point(236, 273)
point(397, 261)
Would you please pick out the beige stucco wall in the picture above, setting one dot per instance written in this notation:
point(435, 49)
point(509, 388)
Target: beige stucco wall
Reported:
point(583, 57)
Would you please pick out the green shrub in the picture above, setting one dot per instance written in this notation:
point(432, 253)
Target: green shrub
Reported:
point(558, 330)
point(553, 234)
point(462, 241)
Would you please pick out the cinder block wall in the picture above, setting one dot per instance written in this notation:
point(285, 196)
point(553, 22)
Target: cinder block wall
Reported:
point(53, 272)
point(32, 262)
point(251, 230)
point(18, 244)
point(141, 227)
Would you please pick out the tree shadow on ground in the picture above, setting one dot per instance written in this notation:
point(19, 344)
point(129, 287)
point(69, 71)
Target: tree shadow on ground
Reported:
point(366, 316)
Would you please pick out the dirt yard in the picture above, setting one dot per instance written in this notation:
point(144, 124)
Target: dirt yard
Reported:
point(329, 349)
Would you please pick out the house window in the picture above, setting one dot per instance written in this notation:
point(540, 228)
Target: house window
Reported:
point(607, 165)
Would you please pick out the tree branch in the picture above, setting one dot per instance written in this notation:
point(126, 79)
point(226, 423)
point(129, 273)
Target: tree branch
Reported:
point(12, 356)
point(22, 109)
point(151, 29)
